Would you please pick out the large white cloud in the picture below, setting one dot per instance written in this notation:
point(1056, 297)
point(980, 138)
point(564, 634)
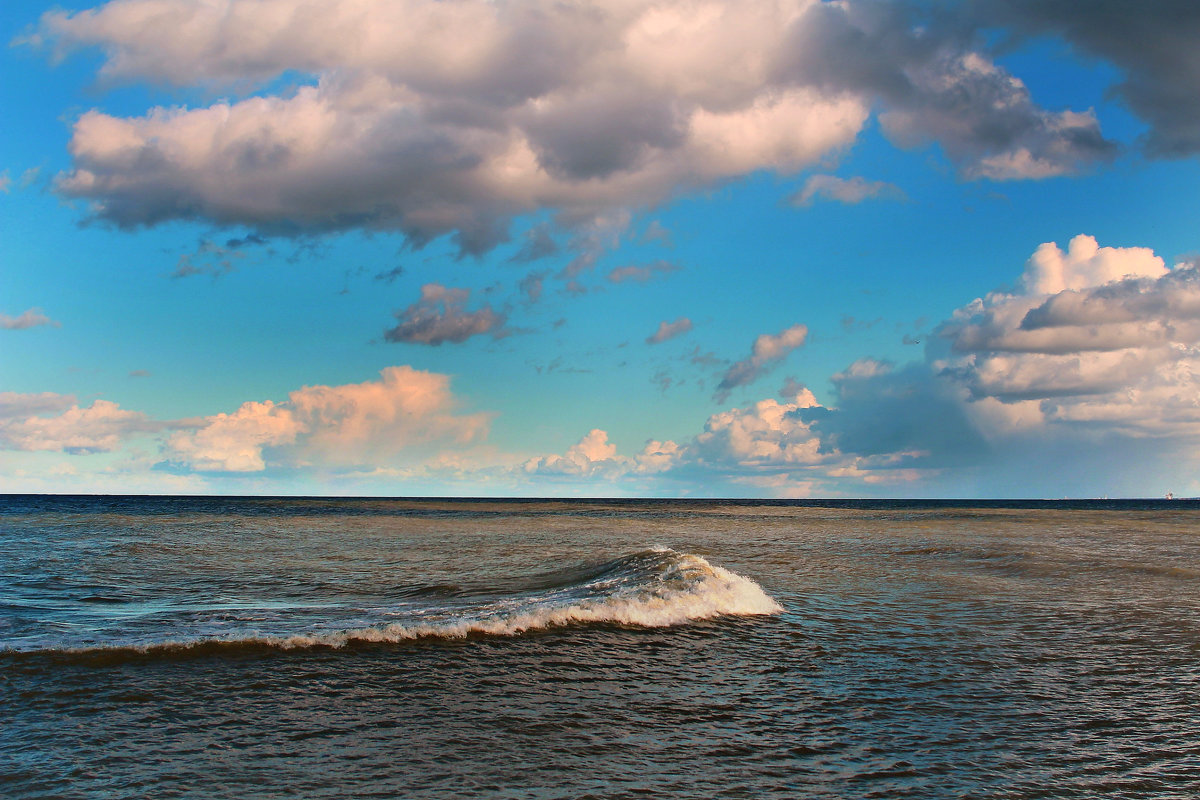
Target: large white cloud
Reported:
point(407, 415)
point(440, 118)
point(1103, 336)
point(101, 427)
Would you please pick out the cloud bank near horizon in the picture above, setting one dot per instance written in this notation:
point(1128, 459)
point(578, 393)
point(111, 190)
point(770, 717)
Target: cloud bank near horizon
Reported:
point(1096, 344)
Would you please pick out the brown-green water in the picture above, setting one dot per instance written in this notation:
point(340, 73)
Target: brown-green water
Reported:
point(238, 648)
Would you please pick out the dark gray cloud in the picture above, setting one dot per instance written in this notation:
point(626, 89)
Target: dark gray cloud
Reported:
point(1152, 43)
point(925, 66)
point(389, 276)
point(441, 316)
point(881, 411)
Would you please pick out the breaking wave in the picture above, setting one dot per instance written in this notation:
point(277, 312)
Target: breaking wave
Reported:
point(653, 588)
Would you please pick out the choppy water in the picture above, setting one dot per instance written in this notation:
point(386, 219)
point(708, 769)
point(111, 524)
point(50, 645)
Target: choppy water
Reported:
point(213, 648)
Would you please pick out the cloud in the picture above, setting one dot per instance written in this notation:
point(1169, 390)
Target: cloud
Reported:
point(440, 316)
point(436, 119)
point(657, 233)
point(1086, 264)
point(934, 85)
point(210, 259)
point(594, 457)
point(30, 318)
point(765, 433)
point(537, 243)
point(101, 427)
point(1159, 82)
point(642, 273)
point(669, 330)
point(1086, 379)
point(532, 285)
point(407, 415)
point(389, 276)
point(1100, 336)
point(235, 442)
point(843, 190)
point(899, 415)
point(768, 350)
point(15, 405)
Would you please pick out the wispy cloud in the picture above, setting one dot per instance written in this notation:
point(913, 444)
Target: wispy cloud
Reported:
point(843, 190)
point(669, 330)
point(30, 318)
point(642, 273)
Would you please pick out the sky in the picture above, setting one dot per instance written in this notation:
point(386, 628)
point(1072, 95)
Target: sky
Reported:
point(695, 248)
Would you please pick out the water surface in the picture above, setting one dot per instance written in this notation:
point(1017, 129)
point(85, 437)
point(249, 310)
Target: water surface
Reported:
point(261, 648)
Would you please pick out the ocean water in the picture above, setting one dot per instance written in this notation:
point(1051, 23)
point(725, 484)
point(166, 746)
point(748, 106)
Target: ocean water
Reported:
point(319, 648)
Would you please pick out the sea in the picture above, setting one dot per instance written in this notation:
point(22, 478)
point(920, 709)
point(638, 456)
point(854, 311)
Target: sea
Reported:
point(203, 647)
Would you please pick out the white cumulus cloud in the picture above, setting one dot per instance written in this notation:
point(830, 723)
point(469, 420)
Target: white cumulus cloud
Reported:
point(407, 415)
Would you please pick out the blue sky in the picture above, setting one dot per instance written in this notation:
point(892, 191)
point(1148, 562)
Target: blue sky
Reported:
point(610, 248)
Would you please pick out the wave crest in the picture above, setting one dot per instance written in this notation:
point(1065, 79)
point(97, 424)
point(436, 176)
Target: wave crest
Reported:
point(653, 588)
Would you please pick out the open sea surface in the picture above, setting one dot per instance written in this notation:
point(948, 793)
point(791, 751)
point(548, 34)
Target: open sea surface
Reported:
point(156, 647)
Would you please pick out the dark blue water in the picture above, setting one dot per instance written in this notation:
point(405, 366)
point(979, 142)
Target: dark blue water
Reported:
point(210, 648)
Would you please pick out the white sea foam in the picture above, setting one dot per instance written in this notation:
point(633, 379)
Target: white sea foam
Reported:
point(654, 589)
point(684, 589)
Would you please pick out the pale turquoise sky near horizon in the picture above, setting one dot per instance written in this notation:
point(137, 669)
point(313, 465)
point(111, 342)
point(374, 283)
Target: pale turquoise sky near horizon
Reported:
point(605, 248)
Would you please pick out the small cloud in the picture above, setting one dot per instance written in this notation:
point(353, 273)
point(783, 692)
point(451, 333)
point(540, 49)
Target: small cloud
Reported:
point(768, 350)
point(642, 272)
point(669, 330)
point(791, 388)
point(843, 190)
point(851, 324)
point(250, 239)
point(30, 318)
point(708, 359)
point(537, 243)
point(441, 316)
point(655, 232)
point(29, 176)
point(389, 276)
point(532, 285)
point(140, 373)
point(5, 182)
point(210, 258)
